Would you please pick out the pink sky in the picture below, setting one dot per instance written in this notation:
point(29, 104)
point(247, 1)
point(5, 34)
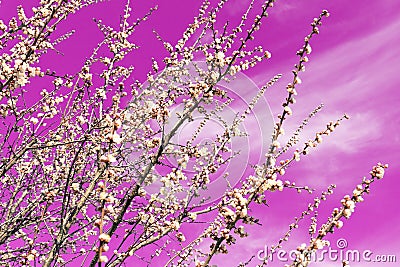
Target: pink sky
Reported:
point(353, 69)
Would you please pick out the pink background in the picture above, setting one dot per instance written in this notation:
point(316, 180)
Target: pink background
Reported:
point(353, 69)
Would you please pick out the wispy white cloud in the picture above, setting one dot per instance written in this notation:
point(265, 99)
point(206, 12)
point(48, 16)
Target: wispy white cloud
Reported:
point(349, 137)
point(354, 77)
